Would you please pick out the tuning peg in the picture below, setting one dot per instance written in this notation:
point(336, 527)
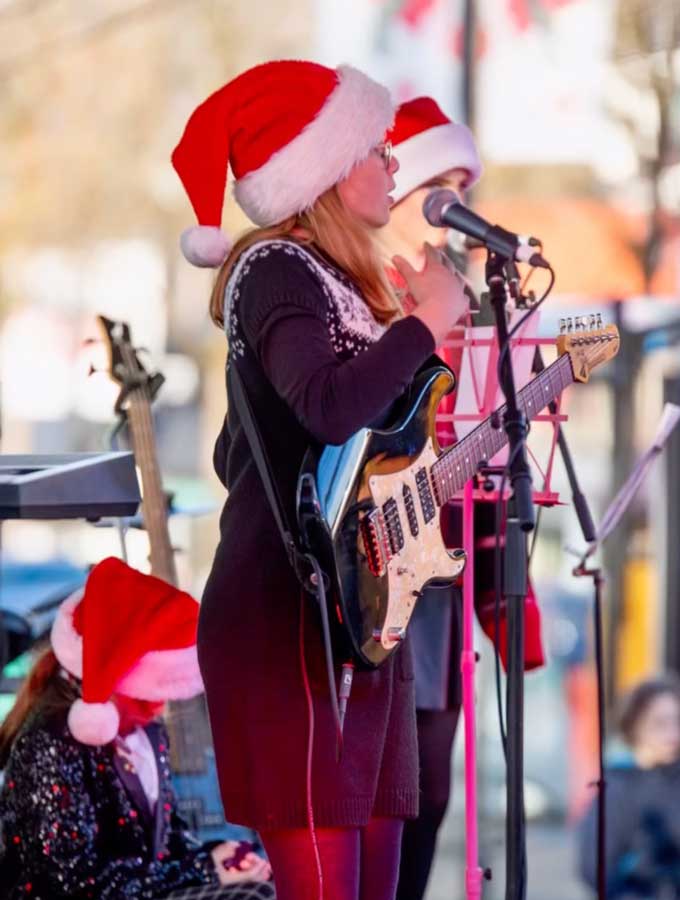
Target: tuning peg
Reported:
point(563, 326)
point(570, 325)
point(599, 320)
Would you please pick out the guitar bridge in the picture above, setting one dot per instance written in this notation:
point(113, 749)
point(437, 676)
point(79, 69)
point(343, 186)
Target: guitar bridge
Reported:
point(375, 539)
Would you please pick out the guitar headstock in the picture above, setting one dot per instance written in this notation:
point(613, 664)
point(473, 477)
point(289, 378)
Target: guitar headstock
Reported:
point(588, 343)
point(125, 366)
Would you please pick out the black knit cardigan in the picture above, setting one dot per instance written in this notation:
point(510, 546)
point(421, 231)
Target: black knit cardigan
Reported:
point(317, 366)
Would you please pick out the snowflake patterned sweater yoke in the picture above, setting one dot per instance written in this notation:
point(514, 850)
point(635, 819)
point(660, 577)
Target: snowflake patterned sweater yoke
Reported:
point(317, 366)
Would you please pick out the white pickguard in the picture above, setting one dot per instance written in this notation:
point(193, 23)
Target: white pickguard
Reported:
point(421, 558)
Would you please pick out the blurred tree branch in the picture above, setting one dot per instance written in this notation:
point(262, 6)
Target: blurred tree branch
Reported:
point(646, 56)
point(36, 54)
point(91, 115)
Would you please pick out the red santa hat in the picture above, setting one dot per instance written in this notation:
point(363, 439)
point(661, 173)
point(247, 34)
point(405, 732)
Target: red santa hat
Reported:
point(426, 143)
point(289, 131)
point(125, 633)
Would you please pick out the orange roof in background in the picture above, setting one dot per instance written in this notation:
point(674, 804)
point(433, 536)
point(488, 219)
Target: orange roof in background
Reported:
point(589, 244)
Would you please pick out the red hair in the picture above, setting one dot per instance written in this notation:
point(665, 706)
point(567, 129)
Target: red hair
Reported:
point(43, 689)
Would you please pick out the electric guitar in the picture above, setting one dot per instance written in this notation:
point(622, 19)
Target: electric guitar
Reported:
point(191, 752)
point(369, 508)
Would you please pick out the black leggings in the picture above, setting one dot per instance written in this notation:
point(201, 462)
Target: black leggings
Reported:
point(357, 863)
point(436, 731)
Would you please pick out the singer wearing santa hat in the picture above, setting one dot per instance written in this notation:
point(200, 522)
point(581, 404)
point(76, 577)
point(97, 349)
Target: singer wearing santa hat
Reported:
point(319, 342)
point(435, 152)
point(87, 808)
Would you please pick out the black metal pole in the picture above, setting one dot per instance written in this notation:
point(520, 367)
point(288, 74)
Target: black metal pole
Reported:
point(520, 521)
point(469, 49)
point(589, 534)
point(601, 783)
point(514, 591)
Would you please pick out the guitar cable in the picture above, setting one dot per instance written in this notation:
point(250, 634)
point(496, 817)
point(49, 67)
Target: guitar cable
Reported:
point(499, 515)
point(339, 706)
point(498, 567)
point(310, 746)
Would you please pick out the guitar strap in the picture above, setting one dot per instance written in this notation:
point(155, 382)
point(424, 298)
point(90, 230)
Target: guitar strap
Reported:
point(296, 557)
point(305, 566)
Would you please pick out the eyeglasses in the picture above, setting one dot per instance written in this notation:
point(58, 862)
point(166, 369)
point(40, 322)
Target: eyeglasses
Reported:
point(384, 150)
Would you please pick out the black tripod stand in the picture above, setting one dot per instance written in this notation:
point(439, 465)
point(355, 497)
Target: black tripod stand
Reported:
point(520, 521)
point(613, 515)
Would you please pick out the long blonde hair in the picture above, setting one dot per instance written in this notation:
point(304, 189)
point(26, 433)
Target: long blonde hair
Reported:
point(332, 228)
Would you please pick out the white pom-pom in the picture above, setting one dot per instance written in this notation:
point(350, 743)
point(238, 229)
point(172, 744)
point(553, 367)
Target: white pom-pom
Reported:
point(205, 245)
point(93, 723)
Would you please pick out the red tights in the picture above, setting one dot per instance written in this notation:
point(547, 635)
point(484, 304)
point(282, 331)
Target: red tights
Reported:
point(357, 863)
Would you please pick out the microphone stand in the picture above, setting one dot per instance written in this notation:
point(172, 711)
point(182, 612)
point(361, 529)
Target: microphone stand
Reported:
point(585, 519)
point(611, 518)
point(589, 533)
point(520, 521)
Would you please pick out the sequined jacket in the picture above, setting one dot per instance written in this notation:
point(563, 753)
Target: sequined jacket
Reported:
point(75, 823)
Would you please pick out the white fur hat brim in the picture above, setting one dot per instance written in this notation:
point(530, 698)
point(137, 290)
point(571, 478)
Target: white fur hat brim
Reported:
point(351, 122)
point(430, 153)
point(158, 676)
point(67, 644)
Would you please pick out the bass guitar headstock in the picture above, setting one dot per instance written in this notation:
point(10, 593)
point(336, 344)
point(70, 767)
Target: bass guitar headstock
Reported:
point(588, 343)
point(125, 367)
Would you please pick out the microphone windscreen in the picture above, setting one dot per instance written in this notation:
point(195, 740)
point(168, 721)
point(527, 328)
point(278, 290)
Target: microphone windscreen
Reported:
point(435, 204)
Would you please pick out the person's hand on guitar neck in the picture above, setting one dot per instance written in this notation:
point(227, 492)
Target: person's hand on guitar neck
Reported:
point(438, 291)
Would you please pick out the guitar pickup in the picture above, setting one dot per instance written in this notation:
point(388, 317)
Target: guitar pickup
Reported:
point(376, 542)
point(427, 503)
point(395, 533)
point(410, 506)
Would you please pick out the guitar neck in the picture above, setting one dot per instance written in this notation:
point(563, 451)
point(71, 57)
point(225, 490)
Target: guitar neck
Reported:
point(459, 463)
point(154, 505)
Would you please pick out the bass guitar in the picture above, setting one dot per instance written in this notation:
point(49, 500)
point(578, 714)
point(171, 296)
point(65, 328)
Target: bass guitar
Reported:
point(369, 509)
point(192, 756)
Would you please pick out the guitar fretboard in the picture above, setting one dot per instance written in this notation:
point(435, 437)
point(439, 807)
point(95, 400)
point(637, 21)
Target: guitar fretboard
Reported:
point(154, 505)
point(458, 464)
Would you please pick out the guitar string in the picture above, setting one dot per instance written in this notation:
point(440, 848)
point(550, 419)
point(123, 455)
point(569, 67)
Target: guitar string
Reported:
point(442, 471)
point(153, 506)
point(155, 516)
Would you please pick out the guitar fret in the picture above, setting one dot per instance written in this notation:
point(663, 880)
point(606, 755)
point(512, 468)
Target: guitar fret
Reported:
point(488, 441)
point(458, 464)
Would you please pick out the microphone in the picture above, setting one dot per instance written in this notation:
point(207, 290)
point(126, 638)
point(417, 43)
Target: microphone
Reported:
point(443, 209)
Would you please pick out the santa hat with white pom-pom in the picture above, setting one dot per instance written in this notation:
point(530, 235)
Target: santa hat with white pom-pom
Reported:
point(126, 633)
point(288, 131)
point(427, 143)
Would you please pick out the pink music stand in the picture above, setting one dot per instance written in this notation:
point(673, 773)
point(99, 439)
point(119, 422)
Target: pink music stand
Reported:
point(486, 400)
